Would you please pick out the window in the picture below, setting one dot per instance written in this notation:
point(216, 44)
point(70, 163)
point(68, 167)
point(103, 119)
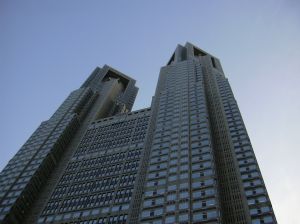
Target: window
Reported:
point(145, 214)
point(212, 214)
point(147, 203)
point(158, 211)
point(172, 178)
point(170, 219)
point(183, 217)
point(197, 216)
point(197, 205)
point(172, 188)
point(183, 185)
point(184, 194)
point(184, 205)
point(85, 213)
point(171, 197)
point(184, 176)
point(171, 208)
point(95, 212)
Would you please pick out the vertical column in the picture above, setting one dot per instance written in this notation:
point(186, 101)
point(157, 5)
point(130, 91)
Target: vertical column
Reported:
point(257, 197)
point(233, 201)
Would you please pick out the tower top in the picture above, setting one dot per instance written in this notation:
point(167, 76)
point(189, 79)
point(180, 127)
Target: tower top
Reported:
point(188, 51)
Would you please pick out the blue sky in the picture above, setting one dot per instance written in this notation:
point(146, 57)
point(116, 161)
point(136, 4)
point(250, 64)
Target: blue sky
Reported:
point(48, 48)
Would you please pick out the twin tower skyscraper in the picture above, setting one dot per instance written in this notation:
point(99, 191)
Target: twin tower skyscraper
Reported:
point(186, 159)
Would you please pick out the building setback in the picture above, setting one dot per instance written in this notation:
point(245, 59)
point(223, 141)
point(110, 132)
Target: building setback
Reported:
point(185, 159)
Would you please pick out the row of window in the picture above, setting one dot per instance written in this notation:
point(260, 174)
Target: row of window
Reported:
point(117, 219)
point(182, 217)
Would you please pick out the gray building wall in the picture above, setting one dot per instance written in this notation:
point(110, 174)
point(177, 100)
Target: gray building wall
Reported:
point(24, 180)
point(181, 184)
point(202, 168)
point(98, 183)
point(187, 159)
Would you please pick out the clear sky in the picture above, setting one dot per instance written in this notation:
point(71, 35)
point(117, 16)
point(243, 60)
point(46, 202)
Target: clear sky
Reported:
point(48, 48)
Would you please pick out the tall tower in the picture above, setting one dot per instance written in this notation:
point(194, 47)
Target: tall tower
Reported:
point(185, 159)
point(202, 168)
point(28, 178)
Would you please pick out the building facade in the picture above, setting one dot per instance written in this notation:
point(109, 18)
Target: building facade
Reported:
point(185, 159)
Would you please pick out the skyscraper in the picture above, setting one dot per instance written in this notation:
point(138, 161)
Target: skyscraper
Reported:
point(185, 159)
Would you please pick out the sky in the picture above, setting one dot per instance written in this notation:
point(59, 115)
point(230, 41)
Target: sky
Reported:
point(48, 48)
